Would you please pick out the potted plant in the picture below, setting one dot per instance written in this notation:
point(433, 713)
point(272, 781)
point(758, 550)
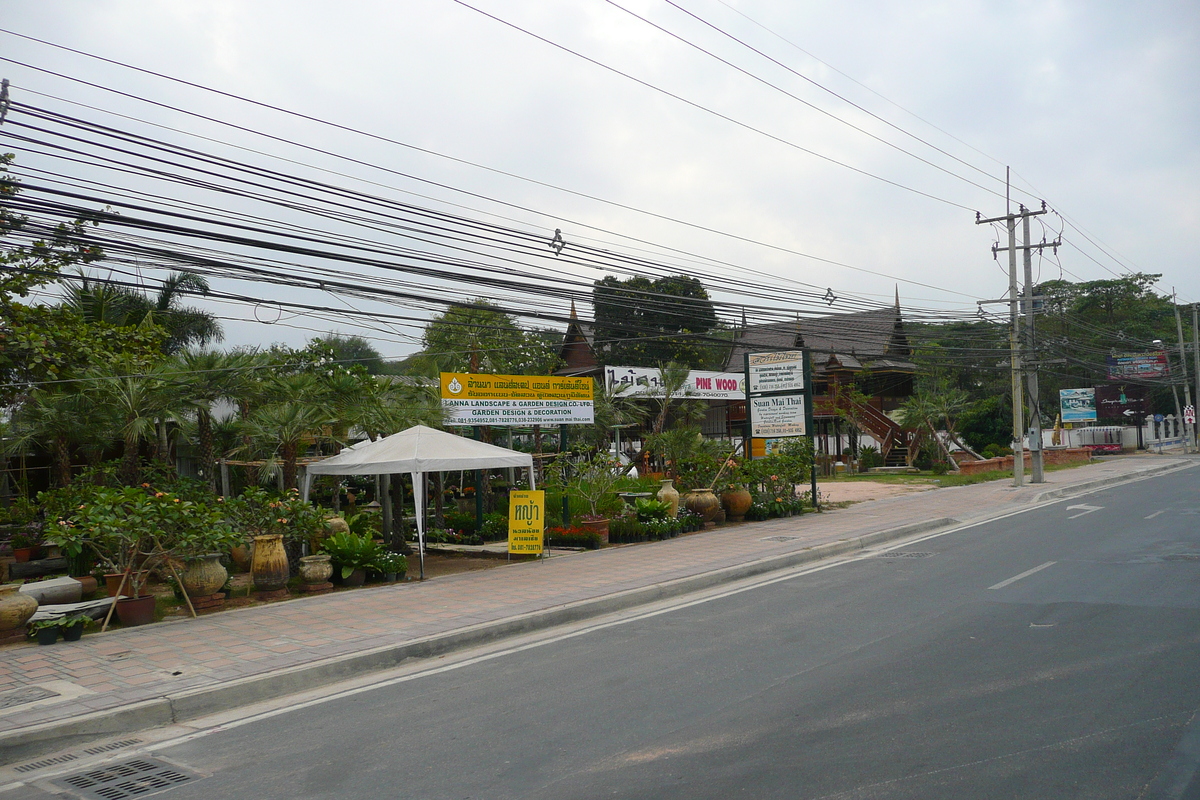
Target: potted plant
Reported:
point(281, 526)
point(24, 546)
point(45, 631)
point(72, 626)
point(392, 566)
point(352, 556)
point(593, 480)
point(194, 532)
point(119, 525)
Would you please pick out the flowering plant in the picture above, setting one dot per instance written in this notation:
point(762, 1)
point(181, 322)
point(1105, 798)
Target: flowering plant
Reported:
point(260, 513)
point(132, 528)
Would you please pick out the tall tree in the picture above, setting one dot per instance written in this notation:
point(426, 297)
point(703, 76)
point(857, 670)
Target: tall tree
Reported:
point(481, 338)
point(349, 350)
point(645, 323)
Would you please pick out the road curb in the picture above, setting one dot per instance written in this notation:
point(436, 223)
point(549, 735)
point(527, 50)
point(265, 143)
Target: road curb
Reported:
point(35, 740)
point(1100, 483)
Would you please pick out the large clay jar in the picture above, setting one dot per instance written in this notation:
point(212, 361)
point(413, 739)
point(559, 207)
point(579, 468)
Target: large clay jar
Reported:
point(269, 566)
point(703, 503)
point(239, 554)
point(669, 494)
point(15, 608)
point(736, 503)
point(316, 569)
point(205, 576)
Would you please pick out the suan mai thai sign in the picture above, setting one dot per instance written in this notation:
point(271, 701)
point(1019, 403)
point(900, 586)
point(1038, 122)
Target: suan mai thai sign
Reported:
point(777, 394)
point(481, 399)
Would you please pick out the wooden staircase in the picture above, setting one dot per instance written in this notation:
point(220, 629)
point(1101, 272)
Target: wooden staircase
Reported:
point(893, 439)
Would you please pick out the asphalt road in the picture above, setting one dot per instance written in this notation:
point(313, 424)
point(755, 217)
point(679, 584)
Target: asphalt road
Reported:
point(1051, 654)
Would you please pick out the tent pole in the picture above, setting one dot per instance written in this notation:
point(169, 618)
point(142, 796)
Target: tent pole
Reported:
point(419, 509)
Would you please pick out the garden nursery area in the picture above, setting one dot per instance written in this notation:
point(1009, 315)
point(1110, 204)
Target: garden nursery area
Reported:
point(100, 552)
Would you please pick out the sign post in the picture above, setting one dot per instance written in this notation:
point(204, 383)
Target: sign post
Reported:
point(779, 401)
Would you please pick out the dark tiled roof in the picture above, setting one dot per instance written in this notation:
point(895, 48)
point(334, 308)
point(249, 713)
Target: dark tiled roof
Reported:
point(862, 338)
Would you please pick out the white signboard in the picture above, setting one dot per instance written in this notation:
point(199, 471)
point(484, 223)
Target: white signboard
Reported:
point(647, 382)
point(776, 372)
point(518, 412)
point(781, 415)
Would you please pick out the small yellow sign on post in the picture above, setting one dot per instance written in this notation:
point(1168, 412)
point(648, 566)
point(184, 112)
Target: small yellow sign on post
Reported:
point(526, 521)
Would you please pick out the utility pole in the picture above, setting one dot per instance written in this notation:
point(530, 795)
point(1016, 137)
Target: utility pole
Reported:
point(1188, 431)
point(1196, 356)
point(1021, 303)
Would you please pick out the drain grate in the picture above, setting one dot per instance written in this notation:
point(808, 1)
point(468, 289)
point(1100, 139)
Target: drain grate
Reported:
point(779, 539)
point(45, 762)
point(104, 748)
point(904, 554)
point(136, 778)
point(26, 694)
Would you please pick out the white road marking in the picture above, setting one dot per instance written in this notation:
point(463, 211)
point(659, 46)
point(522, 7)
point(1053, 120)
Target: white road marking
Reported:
point(1155, 514)
point(1024, 574)
point(1086, 510)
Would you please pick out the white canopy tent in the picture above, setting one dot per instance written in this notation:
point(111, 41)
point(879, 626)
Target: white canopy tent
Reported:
point(418, 450)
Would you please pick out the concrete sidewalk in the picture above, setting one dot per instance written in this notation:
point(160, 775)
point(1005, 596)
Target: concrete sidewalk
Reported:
point(126, 680)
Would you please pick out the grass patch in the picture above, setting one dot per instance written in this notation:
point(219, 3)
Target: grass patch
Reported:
point(930, 479)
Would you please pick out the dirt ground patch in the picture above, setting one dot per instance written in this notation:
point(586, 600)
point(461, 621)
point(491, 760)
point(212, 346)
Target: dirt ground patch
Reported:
point(862, 491)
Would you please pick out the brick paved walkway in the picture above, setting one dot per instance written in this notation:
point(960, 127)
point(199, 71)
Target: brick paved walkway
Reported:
point(123, 667)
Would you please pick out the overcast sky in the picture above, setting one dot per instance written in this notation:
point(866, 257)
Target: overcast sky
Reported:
point(1094, 105)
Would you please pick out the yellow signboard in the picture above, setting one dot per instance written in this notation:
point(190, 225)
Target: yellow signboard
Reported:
point(526, 521)
point(477, 399)
point(473, 386)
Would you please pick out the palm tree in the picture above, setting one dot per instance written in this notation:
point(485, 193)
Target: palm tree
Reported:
point(185, 326)
point(285, 427)
point(208, 377)
point(122, 306)
point(139, 398)
point(52, 420)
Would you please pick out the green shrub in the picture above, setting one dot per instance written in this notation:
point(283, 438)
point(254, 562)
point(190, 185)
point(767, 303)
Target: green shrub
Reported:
point(349, 551)
point(495, 527)
point(648, 509)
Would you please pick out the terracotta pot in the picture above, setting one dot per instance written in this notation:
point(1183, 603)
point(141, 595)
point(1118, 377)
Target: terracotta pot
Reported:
point(600, 526)
point(269, 565)
point(15, 608)
point(136, 610)
point(87, 584)
point(316, 569)
point(669, 494)
point(23, 554)
point(112, 582)
point(736, 503)
point(204, 576)
point(240, 556)
point(703, 503)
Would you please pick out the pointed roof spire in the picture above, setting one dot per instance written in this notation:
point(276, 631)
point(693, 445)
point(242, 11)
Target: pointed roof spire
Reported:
point(897, 298)
point(576, 316)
